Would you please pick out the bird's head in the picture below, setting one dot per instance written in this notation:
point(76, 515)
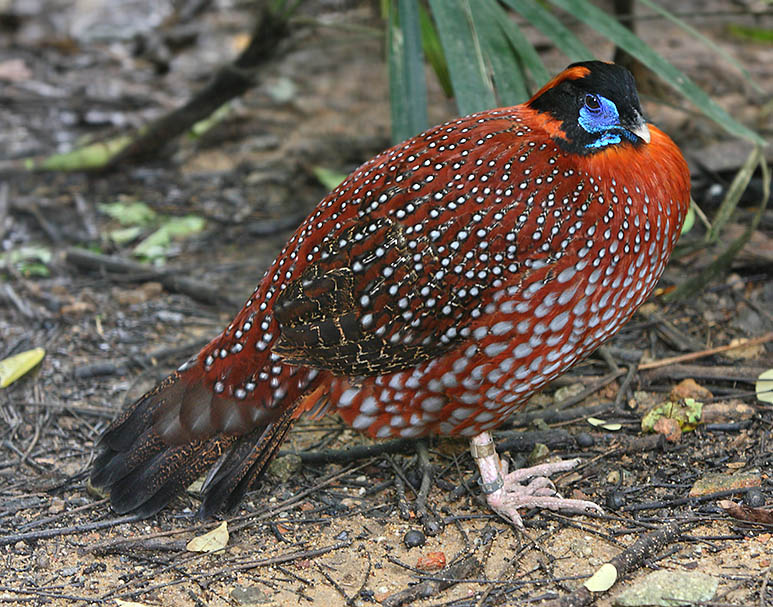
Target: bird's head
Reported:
point(592, 105)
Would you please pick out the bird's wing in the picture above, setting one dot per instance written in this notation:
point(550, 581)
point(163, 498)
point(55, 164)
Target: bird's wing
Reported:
point(408, 280)
point(373, 304)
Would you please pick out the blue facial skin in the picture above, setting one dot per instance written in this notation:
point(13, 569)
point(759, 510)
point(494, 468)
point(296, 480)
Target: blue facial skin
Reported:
point(599, 115)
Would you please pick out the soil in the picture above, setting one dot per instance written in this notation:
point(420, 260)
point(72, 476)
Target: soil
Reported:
point(333, 534)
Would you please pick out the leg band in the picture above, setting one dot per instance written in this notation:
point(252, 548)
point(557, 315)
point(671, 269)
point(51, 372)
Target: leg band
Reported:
point(493, 486)
point(481, 451)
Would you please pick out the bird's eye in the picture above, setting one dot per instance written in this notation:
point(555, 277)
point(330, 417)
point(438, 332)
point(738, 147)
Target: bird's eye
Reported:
point(592, 103)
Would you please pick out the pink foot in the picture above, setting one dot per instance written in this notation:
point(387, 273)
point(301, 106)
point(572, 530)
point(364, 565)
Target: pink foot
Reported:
point(505, 492)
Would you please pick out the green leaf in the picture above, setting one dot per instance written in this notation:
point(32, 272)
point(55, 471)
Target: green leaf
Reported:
point(215, 118)
point(749, 32)
point(706, 41)
point(722, 262)
point(523, 48)
point(126, 235)
point(92, 156)
point(129, 212)
point(472, 86)
point(407, 85)
point(733, 194)
point(34, 268)
point(556, 32)
point(689, 220)
point(687, 414)
point(487, 17)
point(609, 27)
point(24, 255)
point(434, 51)
point(330, 179)
point(156, 246)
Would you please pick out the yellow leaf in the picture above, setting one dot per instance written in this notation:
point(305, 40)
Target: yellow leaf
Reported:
point(214, 540)
point(603, 579)
point(18, 365)
point(764, 387)
point(595, 421)
point(612, 427)
point(122, 603)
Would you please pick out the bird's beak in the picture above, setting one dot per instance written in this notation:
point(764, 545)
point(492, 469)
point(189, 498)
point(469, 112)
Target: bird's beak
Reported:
point(640, 129)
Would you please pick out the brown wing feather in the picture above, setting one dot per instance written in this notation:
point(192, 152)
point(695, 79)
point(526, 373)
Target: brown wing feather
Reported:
point(347, 312)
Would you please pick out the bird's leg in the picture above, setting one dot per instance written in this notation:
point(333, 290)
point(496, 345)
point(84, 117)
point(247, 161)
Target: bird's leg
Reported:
point(431, 523)
point(505, 492)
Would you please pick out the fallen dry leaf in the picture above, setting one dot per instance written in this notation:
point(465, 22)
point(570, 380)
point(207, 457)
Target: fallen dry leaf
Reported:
point(214, 540)
point(432, 561)
point(77, 308)
point(747, 513)
point(604, 578)
point(668, 427)
point(712, 483)
point(689, 388)
point(141, 294)
point(764, 386)
point(18, 365)
point(744, 352)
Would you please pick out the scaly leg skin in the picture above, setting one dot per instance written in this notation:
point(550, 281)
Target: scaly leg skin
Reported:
point(505, 492)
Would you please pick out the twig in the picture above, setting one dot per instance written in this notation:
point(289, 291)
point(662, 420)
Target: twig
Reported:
point(228, 82)
point(714, 372)
point(604, 381)
point(704, 353)
point(339, 456)
point(626, 562)
point(525, 441)
point(722, 262)
point(172, 281)
point(431, 523)
point(764, 588)
point(347, 599)
point(245, 520)
point(274, 560)
point(447, 577)
point(36, 595)
point(678, 340)
point(625, 385)
point(46, 533)
point(552, 416)
point(235, 567)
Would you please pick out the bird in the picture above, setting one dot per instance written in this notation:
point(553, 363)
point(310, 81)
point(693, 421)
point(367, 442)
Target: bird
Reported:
point(436, 289)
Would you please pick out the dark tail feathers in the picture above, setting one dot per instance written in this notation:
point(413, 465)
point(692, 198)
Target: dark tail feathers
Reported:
point(142, 472)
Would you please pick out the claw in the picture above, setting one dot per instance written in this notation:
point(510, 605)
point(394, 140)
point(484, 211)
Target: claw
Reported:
point(510, 494)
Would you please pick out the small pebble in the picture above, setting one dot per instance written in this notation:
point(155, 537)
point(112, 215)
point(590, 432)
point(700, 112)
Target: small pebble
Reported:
point(754, 498)
point(538, 454)
point(414, 538)
point(584, 440)
point(615, 500)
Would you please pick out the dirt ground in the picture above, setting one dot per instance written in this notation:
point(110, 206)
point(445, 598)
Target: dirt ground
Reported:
point(335, 533)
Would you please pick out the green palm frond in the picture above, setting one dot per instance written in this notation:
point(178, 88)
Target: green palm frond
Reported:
point(490, 62)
